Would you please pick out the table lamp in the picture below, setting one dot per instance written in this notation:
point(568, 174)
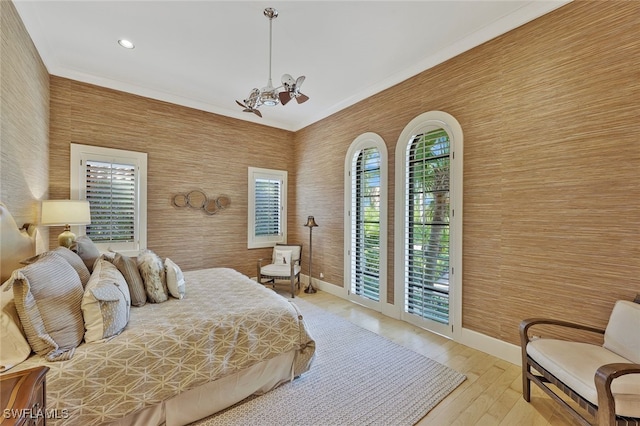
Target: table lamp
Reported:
point(66, 213)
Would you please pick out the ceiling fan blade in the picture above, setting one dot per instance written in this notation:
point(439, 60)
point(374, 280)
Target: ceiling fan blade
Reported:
point(301, 98)
point(249, 109)
point(252, 100)
point(288, 81)
point(284, 97)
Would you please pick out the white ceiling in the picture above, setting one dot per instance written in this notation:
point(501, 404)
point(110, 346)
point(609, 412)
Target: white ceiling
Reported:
point(206, 54)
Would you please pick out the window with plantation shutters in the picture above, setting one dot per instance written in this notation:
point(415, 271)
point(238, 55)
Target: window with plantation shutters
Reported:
point(111, 192)
point(366, 220)
point(114, 183)
point(427, 226)
point(365, 224)
point(428, 223)
point(267, 207)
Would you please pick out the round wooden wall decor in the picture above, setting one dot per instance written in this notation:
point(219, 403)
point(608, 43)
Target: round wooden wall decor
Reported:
point(223, 202)
point(197, 199)
point(179, 200)
point(210, 207)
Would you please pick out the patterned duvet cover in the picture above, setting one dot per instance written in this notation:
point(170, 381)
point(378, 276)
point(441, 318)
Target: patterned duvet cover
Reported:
point(225, 323)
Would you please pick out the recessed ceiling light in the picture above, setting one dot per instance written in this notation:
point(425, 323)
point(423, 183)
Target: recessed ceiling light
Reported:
point(126, 44)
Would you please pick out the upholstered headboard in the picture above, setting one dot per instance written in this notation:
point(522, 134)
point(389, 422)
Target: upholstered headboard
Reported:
point(15, 244)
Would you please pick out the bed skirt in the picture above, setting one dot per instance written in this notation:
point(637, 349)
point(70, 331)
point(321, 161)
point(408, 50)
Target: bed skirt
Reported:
point(203, 401)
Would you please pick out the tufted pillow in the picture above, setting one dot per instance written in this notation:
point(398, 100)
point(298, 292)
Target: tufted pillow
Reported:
point(128, 267)
point(14, 348)
point(152, 272)
point(68, 255)
point(87, 250)
point(175, 279)
point(48, 294)
point(106, 302)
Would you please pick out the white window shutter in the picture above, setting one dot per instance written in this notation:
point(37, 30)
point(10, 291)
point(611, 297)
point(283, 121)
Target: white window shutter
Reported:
point(111, 192)
point(267, 207)
point(365, 224)
point(427, 227)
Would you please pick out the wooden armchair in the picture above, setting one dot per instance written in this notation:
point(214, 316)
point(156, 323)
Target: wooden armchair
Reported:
point(604, 380)
point(285, 265)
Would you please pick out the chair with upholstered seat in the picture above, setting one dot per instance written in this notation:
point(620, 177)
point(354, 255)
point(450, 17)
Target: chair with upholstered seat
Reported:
point(284, 267)
point(602, 379)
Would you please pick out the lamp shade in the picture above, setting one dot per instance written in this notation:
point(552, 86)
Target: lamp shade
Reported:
point(311, 222)
point(65, 212)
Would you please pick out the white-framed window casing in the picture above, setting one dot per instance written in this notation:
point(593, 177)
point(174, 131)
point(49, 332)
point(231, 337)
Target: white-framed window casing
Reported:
point(114, 181)
point(428, 223)
point(365, 221)
point(267, 207)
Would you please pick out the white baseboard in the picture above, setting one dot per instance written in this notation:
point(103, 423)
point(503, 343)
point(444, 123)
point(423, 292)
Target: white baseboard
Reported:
point(492, 346)
point(325, 286)
point(487, 344)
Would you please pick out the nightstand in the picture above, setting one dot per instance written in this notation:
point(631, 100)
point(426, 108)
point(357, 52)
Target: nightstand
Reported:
point(23, 397)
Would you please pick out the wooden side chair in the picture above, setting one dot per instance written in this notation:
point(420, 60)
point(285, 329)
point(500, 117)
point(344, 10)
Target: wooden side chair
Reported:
point(285, 266)
point(604, 380)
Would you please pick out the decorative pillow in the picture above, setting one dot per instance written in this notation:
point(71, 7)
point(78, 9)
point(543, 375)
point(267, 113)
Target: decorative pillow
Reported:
point(110, 255)
point(87, 250)
point(621, 335)
point(48, 295)
point(68, 255)
point(152, 273)
point(175, 279)
point(106, 302)
point(281, 257)
point(129, 270)
point(14, 348)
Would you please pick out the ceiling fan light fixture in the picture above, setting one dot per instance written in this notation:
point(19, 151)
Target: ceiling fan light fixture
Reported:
point(269, 95)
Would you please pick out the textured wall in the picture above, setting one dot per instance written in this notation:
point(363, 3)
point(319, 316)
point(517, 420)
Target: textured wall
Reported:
point(550, 114)
point(24, 119)
point(187, 149)
point(552, 160)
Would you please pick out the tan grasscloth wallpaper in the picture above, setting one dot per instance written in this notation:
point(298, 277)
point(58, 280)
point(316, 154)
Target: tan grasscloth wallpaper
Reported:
point(551, 119)
point(24, 119)
point(187, 149)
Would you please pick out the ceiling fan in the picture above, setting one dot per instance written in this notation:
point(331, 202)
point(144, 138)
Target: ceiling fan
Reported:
point(269, 95)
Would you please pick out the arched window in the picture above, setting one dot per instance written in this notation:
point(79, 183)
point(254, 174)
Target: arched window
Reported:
point(428, 268)
point(366, 220)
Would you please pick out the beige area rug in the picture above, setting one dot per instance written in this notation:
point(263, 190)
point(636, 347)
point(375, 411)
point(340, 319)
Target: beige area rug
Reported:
point(357, 378)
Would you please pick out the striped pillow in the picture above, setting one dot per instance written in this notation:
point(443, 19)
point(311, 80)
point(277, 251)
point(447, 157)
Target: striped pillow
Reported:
point(128, 267)
point(68, 255)
point(48, 297)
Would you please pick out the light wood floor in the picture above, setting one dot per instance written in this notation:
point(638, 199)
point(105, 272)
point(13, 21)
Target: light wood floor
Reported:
point(492, 393)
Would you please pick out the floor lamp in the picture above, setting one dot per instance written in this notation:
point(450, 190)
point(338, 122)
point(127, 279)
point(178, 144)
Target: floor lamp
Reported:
point(311, 223)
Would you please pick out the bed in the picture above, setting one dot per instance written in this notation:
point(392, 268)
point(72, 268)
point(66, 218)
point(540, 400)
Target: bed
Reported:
point(175, 362)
